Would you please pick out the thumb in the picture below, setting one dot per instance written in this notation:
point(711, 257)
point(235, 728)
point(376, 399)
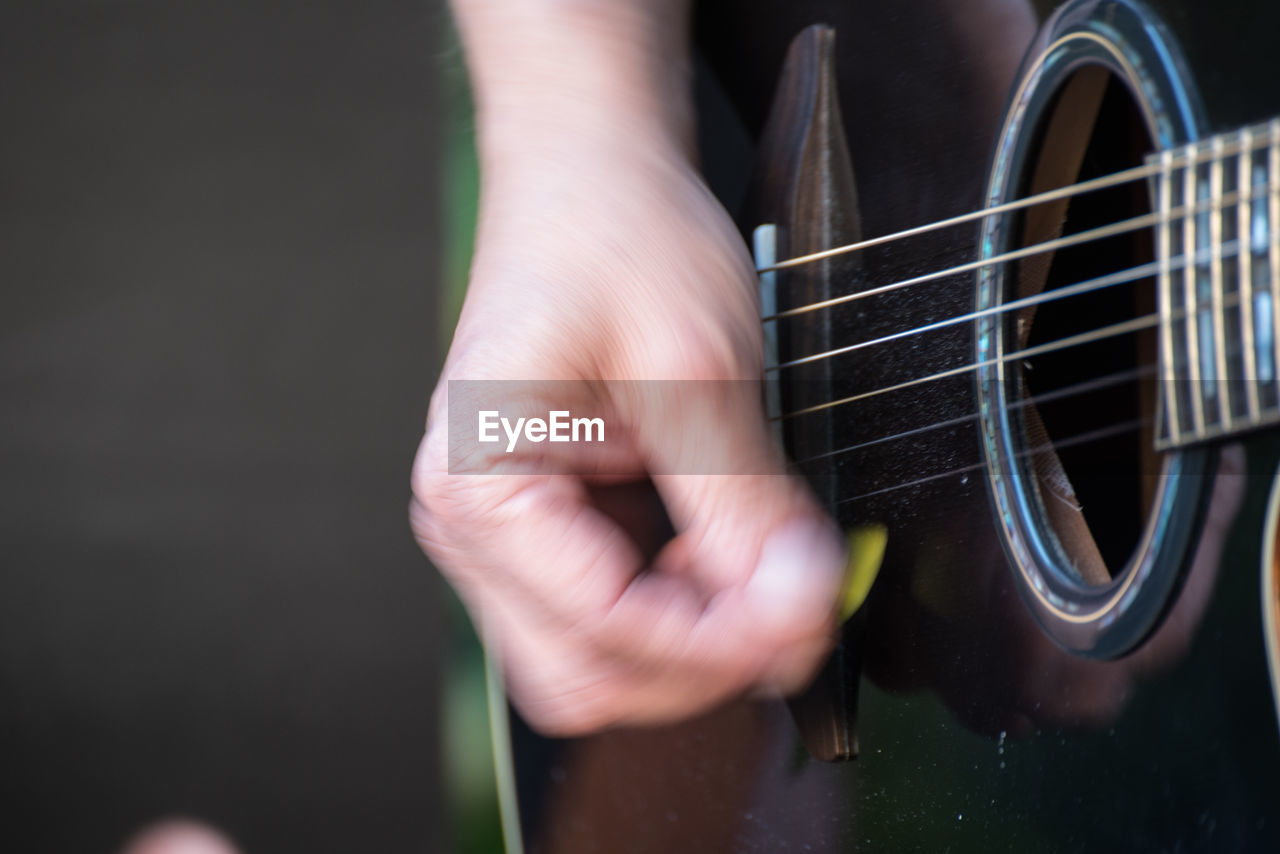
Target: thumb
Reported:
point(750, 533)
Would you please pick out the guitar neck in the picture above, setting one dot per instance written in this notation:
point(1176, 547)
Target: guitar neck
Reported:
point(1218, 252)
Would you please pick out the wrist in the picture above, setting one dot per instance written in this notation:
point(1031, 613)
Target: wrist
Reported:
point(556, 78)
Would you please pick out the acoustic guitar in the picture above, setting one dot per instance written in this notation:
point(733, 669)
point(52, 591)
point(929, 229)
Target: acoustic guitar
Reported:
point(1020, 274)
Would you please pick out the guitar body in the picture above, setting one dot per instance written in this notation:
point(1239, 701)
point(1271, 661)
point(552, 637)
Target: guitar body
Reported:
point(1069, 644)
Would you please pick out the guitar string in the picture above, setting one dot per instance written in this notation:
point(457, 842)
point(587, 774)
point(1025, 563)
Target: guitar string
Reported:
point(1202, 156)
point(1233, 350)
point(1066, 392)
point(1126, 327)
point(1229, 249)
point(1088, 286)
point(1100, 233)
point(1081, 439)
point(1116, 329)
point(1068, 191)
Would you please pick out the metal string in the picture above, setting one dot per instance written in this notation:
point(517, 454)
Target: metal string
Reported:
point(1082, 439)
point(1085, 387)
point(1117, 329)
point(1203, 155)
point(1229, 249)
point(1089, 236)
point(1123, 328)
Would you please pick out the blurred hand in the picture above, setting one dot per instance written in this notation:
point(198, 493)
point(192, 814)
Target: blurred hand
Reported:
point(179, 837)
point(601, 255)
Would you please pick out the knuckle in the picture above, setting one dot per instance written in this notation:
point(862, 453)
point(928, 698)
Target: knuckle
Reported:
point(568, 719)
point(796, 668)
point(800, 632)
point(446, 511)
point(430, 506)
point(562, 703)
point(707, 351)
point(740, 670)
point(430, 471)
point(451, 497)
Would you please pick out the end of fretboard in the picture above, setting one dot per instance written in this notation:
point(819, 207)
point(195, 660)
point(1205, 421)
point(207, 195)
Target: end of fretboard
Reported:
point(1218, 254)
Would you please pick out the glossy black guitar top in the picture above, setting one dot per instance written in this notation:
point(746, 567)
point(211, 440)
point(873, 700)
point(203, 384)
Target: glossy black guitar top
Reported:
point(1044, 365)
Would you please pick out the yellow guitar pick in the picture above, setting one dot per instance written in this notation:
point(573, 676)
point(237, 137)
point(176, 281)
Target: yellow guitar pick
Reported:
point(866, 553)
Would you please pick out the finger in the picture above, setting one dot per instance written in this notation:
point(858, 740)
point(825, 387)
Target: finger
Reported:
point(571, 567)
point(637, 508)
point(179, 836)
point(536, 548)
point(565, 688)
point(769, 630)
point(749, 531)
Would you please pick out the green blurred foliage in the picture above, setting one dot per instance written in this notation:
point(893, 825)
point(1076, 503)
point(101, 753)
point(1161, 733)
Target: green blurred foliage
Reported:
point(460, 182)
point(468, 754)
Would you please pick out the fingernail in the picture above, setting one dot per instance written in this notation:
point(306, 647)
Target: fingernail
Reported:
point(800, 571)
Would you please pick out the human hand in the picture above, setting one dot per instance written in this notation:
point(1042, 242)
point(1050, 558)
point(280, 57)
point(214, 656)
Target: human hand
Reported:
point(178, 837)
point(601, 255)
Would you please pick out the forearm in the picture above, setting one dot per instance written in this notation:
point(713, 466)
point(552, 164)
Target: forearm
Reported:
point(551, 75)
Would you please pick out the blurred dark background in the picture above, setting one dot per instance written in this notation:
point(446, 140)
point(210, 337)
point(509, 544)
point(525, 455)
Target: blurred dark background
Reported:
point(220, 255)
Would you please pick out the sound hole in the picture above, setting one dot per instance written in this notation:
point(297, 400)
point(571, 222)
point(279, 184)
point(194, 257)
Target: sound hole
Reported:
point(1086, 413)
